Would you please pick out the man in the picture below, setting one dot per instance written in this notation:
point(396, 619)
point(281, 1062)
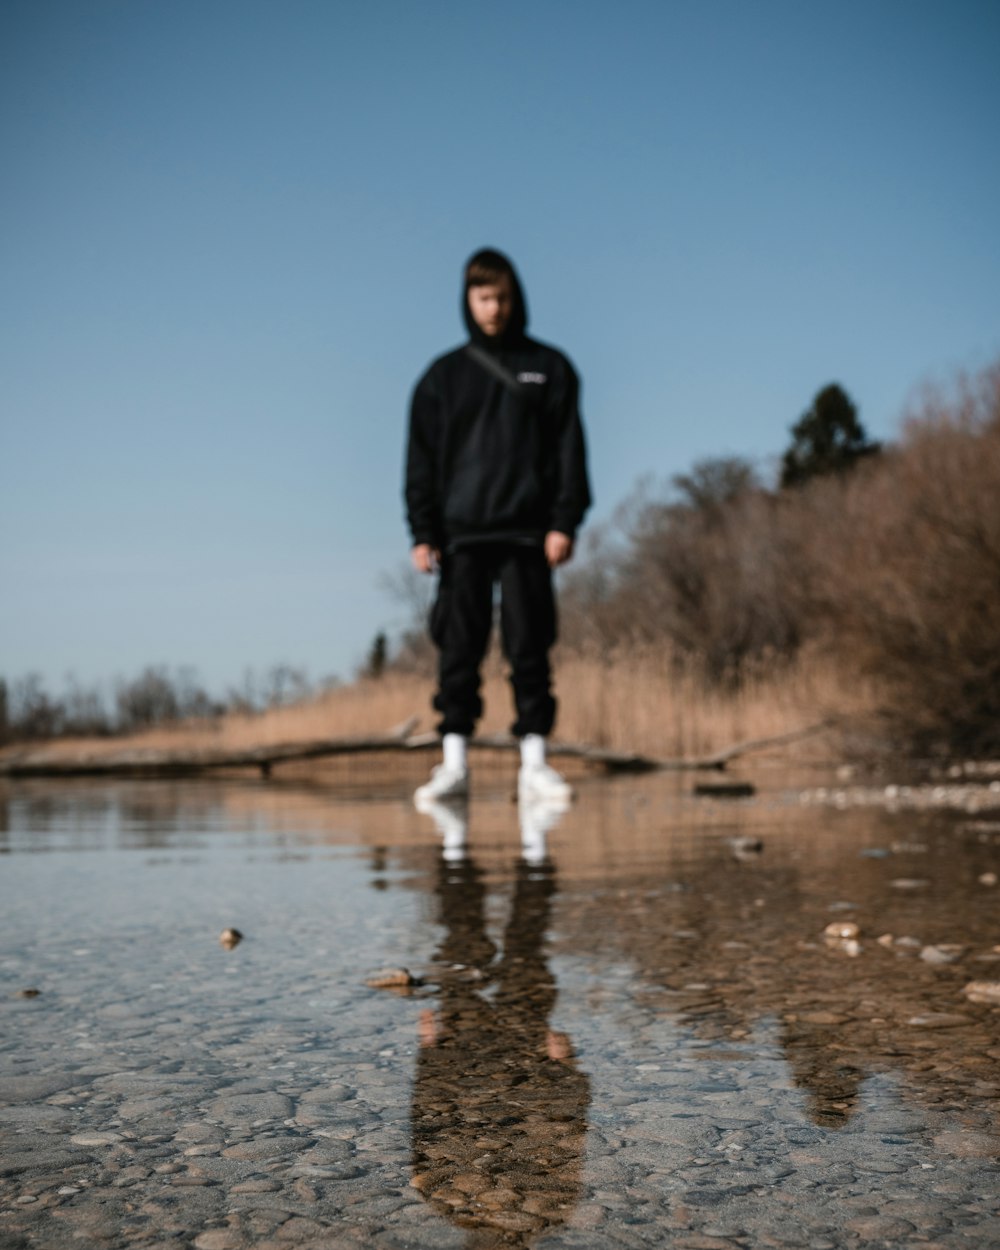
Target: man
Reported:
point(496, 486)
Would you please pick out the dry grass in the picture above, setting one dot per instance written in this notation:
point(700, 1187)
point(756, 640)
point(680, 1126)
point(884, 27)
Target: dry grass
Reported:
point(639, 702)
point(642, 703)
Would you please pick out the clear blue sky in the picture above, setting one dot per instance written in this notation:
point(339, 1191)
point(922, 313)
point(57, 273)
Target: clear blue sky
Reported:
point(230, 240)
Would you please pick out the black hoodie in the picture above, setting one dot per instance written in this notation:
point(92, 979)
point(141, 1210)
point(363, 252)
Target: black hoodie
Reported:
point(485, 464)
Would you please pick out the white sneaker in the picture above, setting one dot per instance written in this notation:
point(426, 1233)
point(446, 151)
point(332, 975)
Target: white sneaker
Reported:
point(540, 783)
point(445, 783)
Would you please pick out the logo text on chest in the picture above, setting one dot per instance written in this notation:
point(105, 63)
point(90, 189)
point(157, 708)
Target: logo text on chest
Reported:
point(538, 378)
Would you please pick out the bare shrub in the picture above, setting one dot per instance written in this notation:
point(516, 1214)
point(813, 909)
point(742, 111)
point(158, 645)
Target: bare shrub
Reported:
point(414, 652)
point(147, 700)
point(905, 571)
point(31, 710)
point(699, 571)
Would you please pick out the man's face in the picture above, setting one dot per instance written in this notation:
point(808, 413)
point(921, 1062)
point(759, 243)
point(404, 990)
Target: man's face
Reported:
point(491, 305)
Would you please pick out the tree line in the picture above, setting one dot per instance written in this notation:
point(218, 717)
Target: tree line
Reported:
point(154, 698)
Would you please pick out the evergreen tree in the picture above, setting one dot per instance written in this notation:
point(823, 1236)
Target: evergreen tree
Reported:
point(378, 655)
point(828, 438)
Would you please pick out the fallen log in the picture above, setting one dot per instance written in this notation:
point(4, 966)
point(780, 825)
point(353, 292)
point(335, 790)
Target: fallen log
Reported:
point(156, 762)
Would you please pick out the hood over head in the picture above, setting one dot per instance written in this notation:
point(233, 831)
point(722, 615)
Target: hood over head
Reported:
point(491, 260)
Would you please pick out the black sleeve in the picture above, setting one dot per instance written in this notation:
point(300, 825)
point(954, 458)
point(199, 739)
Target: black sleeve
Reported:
point(422, 505)
point(571, 497)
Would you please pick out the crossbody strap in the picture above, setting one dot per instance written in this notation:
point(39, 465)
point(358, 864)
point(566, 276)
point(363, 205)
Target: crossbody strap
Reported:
point(492, 365)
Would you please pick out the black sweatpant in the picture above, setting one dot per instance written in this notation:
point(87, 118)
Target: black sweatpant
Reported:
point(462, 618)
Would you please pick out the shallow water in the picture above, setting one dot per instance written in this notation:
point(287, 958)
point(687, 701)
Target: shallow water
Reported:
point(629, 1027)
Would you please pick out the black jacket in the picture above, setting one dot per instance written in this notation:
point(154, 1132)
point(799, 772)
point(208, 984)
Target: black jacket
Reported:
point(485, 464)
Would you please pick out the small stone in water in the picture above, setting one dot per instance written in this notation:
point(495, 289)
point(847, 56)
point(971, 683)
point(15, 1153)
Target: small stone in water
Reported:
point(945, 953)
point(908, 883)
point(987, 878)
point(230, 938)
point(95, 1139)
point(724, 789)
point(746, 848)
point(937, 1020)
point(391, 979)
point(987, 992)
point(841, 929)
point(30, 992)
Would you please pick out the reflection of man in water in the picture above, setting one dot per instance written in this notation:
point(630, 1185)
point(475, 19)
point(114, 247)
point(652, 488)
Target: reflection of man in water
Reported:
point(820, 1066)
point(499, 1108)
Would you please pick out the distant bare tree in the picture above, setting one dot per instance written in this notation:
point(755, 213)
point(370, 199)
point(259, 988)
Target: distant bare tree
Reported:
point(85, 712)
point(147, 700)
point(414, 592)
point(285, 684)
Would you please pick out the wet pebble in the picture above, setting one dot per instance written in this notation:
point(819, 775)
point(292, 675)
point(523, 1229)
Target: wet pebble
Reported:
point(514, 1221)
point(986, 992)
point(391, 979)
point(95, 1139)
point(968, 1144)
point(255, 1185)
point(259, 1148)
point(944, 953)
point(218, 1239)
point(938, 1020)
point(878, 1228)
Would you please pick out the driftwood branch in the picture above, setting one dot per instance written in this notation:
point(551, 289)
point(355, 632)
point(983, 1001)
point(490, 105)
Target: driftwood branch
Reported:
point(151, 762)
point(624, 762)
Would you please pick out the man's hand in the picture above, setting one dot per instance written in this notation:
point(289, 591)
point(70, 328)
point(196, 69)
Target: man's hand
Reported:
point(558, 548)
point(425, 558)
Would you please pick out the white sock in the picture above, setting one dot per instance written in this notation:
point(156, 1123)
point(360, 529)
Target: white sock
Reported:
point(532, 751)
point(456, 752)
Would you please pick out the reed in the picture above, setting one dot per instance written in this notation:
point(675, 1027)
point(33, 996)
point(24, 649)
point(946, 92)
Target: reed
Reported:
point(639, 700)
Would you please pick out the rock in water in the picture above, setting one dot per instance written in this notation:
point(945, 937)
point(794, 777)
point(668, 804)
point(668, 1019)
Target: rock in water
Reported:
point(943, 953)
point(724, 789)
point(230, 938)
point(745, 848)
point(986, 992)
point(391, 979)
